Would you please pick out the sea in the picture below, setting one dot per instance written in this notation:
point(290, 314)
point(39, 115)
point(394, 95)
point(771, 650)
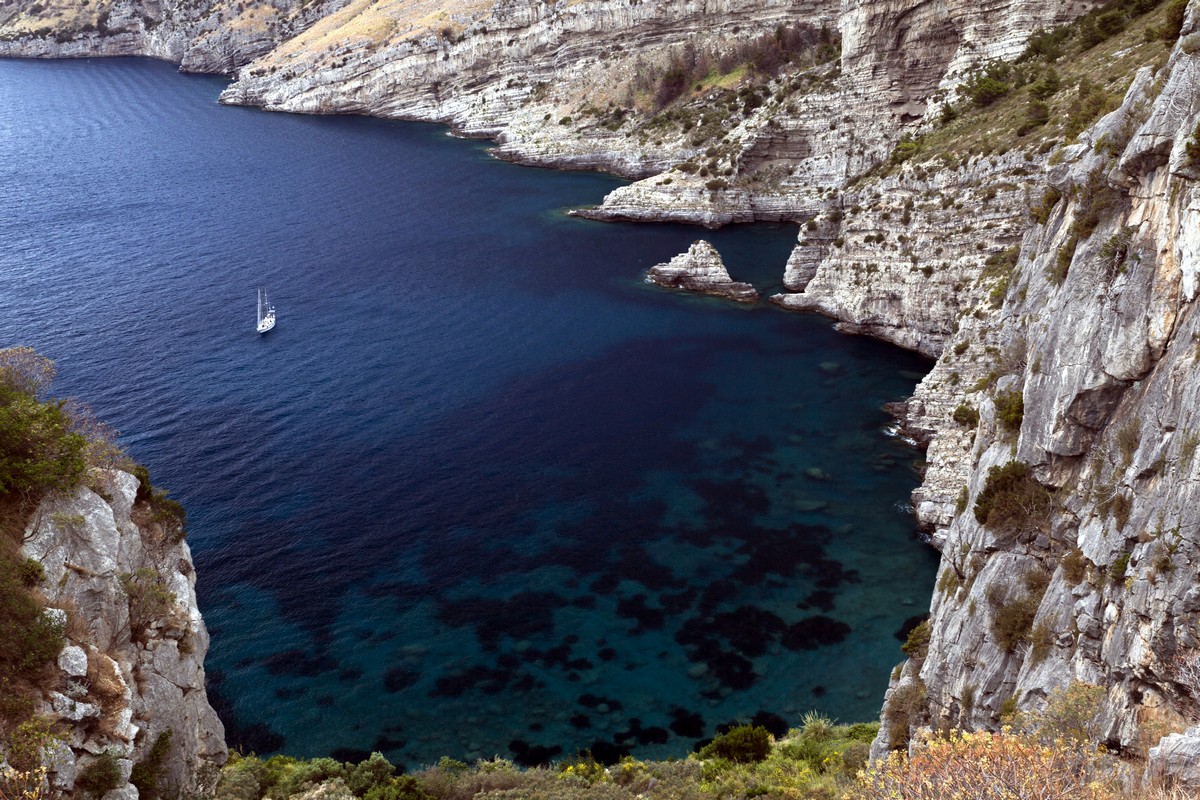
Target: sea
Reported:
point(483, 491)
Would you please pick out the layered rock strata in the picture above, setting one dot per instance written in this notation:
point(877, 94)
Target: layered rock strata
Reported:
point(132, 671)
point(701, 270)
point(201, 36)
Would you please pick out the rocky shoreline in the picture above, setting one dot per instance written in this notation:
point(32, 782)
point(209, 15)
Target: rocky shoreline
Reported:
point(1053, 282)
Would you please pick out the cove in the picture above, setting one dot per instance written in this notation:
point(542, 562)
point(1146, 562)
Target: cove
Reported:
point(482, 491)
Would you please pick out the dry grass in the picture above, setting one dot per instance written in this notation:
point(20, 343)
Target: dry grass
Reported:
point(108, 688)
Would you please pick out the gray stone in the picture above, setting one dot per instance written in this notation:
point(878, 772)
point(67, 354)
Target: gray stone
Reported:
point(71, 710)
point(701, 270)
point(1176, 759)
point(73, 661)
point(60, 764)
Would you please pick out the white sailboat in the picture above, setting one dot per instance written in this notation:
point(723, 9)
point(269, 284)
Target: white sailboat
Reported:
point(266, 313)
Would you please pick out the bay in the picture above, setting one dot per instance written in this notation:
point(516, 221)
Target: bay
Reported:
point(482, 491)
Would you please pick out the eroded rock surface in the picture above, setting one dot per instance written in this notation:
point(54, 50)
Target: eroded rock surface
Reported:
point(133, 665)
point(701, 270)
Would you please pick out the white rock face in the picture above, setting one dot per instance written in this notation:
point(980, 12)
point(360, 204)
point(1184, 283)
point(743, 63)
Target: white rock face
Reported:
point(701, 270)
point(73, 661)
point(1177, 757)
point(125, 685)
point(1104, 363)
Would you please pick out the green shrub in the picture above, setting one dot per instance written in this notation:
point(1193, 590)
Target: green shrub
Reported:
point(304, 773)
point(241, 778)
point(1046, 86)
point(1173, 24)
point(1091, 103)
point(404, 787)
point(1012, 620)
point(27, 741)
point(1050, 198)
point(908, 146)
point(989, 84)
point(917, 644)
point(373, 772)
point(32, 572)
point(1012, 500)
point(1117, 569)
point(29, 638)
point(149, 599)
point(1192, 148)
point(1037, 114)
point(102, 774)
point(38, 451)
point(1010, 410)
point(1047, 45)
point(1057, 272)
point(745, 744)
point(966, 415)
point(147, 772)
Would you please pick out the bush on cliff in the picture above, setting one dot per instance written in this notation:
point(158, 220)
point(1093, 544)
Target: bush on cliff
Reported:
point(38, 451)
point(102, 774)
point(1173, 24)
point(1010, 410)
point(1012, 500)
point(147, 773)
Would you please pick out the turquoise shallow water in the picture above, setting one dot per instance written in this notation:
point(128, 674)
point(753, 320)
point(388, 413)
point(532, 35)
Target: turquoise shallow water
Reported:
point(482, 491)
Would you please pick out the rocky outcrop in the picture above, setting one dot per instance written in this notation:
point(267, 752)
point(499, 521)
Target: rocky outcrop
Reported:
point(120, 576)
point(202, 36)
point(701, 270)
point(1176, 760)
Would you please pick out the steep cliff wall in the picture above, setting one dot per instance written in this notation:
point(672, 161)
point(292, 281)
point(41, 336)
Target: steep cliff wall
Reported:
point(118, 572)
point(1080, 564)
point(201, 36)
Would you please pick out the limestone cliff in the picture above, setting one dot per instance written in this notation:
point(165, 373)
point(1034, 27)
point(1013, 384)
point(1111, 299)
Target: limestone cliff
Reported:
point(1079, 562)
point(202, 36)
point(118, 572)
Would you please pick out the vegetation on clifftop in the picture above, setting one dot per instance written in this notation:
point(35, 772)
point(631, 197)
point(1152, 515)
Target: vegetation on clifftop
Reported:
point(1067, 78)
point(1048, 754)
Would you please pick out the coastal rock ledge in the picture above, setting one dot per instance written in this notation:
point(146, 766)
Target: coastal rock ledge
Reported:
point(701, 270)
point(118, 576)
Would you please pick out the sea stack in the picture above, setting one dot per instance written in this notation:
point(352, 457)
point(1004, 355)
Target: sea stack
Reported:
point(701, 270)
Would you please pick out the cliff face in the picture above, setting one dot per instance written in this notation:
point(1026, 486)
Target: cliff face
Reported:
point(201, 36)
point(1095, 579)
point(133, 667)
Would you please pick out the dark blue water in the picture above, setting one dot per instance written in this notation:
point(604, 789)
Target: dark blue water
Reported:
point(482, 491)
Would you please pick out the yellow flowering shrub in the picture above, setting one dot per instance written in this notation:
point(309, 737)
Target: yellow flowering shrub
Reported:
point(990, 766)
point(22, 785)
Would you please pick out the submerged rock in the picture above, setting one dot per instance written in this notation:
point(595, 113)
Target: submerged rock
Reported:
point(701, 270)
